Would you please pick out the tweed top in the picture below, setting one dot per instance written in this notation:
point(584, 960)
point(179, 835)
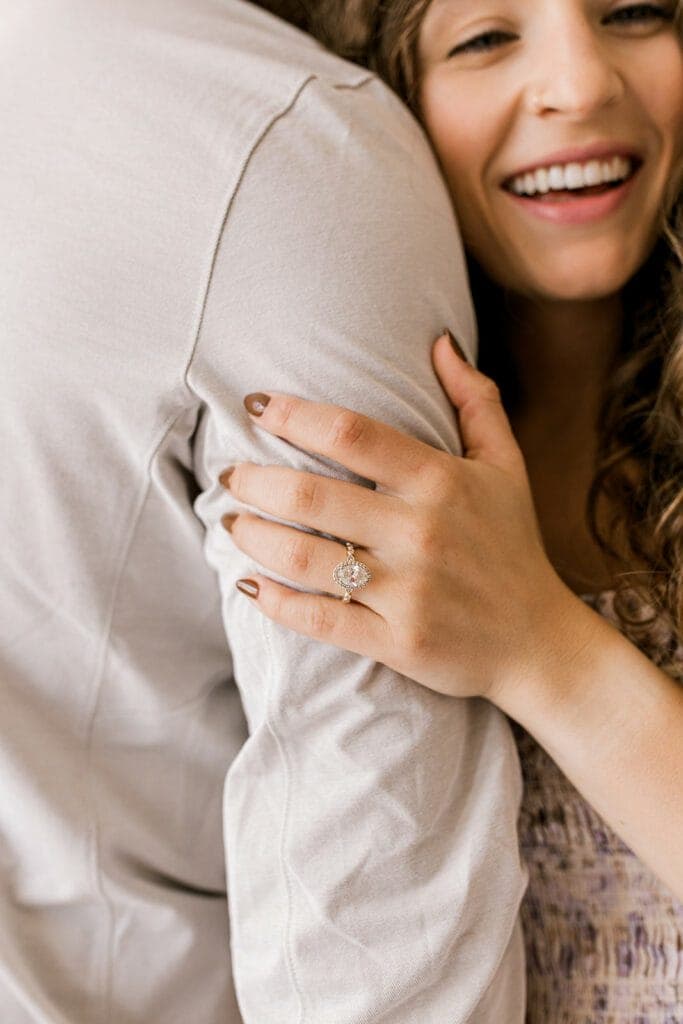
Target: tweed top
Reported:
point(603, 936)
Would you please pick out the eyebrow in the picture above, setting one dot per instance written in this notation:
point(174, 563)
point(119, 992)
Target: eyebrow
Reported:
point(439, 4)
point(441, 8)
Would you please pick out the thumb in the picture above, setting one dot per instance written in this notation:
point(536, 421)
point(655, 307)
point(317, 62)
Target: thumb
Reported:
point(484, 426)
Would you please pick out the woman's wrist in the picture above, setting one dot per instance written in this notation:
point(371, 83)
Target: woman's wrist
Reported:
point(567, 642)
point(613, 724)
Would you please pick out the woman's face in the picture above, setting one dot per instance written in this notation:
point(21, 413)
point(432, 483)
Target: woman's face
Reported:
point(559, 127)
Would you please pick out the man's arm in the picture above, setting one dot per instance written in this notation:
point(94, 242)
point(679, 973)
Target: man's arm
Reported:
point(370, 825)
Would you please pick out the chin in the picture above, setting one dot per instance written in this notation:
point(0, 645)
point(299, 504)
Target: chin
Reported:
point(583, 288)
point(596, 273)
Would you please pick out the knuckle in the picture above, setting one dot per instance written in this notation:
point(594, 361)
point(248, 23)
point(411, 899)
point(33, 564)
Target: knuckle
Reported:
point(318, 619)
point(425, 540)
point(277, 605)
point(417, 640)
point(439, 472)
point(489, 390)
point(298, 555)
point(285, 410)
point(305, 497)
point(348, 430)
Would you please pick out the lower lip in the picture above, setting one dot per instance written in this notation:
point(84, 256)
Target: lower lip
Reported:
point(579, 210)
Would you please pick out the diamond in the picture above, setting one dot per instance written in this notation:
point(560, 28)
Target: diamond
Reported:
point(352, 575)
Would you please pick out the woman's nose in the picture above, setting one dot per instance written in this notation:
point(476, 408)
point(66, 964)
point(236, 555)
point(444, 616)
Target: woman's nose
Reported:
point(576, 76)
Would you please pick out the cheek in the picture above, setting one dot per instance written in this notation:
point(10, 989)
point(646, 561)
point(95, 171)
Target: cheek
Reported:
point(460, 130)
point(465, 137)
point(672, 113)
point(658, 84)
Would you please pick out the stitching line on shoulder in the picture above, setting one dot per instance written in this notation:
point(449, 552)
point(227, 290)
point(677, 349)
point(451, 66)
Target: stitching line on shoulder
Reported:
point(228, 206)
point(371, 77)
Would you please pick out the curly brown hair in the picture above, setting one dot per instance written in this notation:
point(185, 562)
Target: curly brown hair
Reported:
point(639, 471)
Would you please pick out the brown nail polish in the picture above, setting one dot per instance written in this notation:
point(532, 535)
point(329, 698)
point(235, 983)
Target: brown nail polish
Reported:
point(224, 478)
point(247, 587)
point(228, 520)
point(456, 347)
point(256, 403)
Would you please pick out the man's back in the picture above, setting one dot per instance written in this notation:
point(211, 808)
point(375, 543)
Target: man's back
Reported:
point(129, 130)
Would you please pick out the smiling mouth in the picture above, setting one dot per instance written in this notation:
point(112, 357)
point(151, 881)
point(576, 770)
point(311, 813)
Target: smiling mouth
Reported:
point(561, 183)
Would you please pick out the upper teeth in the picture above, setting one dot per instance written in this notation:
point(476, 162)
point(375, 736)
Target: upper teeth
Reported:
point(560, 177)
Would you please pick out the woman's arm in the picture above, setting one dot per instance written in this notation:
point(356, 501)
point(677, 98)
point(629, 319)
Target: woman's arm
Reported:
point(613, 722)
point(463, 597)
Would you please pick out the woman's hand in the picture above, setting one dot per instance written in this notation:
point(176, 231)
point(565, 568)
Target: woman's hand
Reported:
point(463, 598)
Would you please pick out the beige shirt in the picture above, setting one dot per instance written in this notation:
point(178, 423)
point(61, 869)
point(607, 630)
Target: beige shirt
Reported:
point(203, 816)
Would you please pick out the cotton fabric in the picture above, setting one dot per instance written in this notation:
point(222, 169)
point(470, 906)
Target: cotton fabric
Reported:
point(205, 817)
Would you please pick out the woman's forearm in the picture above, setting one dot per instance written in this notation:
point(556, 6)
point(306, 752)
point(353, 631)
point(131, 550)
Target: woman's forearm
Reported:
point(613, 722)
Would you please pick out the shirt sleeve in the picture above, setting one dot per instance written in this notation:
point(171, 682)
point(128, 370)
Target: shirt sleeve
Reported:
point(369, 824)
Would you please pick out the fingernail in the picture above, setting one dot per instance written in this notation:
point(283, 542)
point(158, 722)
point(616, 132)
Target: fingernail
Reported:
point(228, 520)
point(248, 587)
point(256, 403)
point(224, 478)
point(454, 344)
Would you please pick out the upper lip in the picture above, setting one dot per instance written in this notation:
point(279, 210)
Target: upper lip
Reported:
point(578, 155)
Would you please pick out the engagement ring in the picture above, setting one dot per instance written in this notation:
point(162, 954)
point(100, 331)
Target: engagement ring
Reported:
point(351, 574)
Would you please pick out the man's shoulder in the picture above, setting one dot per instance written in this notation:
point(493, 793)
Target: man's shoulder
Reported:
point(190, 81)
point(233, 49)
point(270, 51)
point(254, 65)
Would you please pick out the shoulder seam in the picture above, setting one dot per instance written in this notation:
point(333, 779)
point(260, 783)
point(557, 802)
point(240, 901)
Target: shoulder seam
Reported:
point(370, 77)
point(227, 207)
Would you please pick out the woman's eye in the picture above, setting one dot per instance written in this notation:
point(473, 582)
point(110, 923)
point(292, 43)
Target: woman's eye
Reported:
point(636, 14)
point(632, 14)
point(483, 42)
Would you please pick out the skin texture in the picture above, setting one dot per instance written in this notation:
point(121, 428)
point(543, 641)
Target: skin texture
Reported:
point(482, 602)
point(611, 720)
point(562, 74)
point(566, 73)
point(459, 514)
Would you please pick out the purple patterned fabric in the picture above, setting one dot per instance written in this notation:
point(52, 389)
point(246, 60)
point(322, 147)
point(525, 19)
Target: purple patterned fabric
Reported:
point(604, 937)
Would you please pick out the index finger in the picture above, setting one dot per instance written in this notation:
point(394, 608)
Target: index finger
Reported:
point(369, 448)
